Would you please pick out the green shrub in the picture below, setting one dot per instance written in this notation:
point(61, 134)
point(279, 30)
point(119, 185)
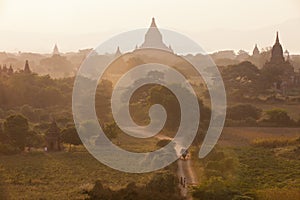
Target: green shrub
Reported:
point(7, 149)
point(243, 112)
point(163, 186)
point(214, 188)
point(279, 117)
point(162, 143)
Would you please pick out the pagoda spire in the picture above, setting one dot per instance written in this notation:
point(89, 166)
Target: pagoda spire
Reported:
point(255, 51)
point(10, 70)
point(118, 52)
point(55, 50)
point(26, 68)
point(153, 38)
point(277, 37)
point(277, 51)
point(153, 24)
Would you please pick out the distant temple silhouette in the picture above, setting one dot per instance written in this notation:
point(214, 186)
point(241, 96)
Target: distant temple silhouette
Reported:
point(53, 140)
point(153, 38)
point(26, 68)
point(4, 71)
point(256, 51)
point(277, 59)
point(277, 52)
point(118, 52)
point(281, 67)
point(55, 50)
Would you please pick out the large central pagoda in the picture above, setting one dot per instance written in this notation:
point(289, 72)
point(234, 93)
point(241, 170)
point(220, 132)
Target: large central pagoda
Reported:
point(153, 38)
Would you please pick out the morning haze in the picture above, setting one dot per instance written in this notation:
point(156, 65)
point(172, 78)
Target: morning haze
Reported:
point(149, 100)
point(231, 24)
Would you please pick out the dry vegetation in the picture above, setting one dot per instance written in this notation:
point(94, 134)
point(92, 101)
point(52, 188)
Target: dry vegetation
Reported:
point(62, 175)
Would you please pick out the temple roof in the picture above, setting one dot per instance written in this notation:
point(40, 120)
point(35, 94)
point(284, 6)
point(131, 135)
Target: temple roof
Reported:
point(153, 38)
point(118, 52)
point(277, 38)
point(277, 51)
point(53, 130)
point(26, 68)
point(256, 50)
point(55, 50)
point(153, 24)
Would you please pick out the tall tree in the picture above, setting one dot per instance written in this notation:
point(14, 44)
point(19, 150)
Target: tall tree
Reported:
point(69, 135)
point(16, 128)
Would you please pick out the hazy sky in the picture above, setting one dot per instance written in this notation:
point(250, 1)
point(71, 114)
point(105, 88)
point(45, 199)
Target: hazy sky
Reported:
point(35, 25)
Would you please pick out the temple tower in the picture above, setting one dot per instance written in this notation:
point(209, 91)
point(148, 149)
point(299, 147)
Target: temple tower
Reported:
point(53, 137)
point(153, 38)
point(277, 52)
point(26, 68)
point(55, 50)
point(118, 52)
point(255, 51)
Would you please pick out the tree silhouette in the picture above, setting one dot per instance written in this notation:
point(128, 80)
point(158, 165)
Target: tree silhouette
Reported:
point(69, 135)
point(16, 128)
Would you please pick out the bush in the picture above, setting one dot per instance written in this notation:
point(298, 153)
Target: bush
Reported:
point(215, 188)
point(162, 143)
point(163, 186)
point(243, 112)
point(279, 117)
point(163, 182)
point(7, 149)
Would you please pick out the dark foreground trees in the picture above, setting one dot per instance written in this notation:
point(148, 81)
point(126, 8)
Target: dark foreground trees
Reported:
point(163, 186)
point(16, 130)
point(70, 136)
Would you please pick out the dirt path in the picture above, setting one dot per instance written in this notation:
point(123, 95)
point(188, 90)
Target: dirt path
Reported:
point(185, 171)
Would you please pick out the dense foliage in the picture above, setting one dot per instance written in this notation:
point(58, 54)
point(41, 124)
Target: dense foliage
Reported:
point(163, 186)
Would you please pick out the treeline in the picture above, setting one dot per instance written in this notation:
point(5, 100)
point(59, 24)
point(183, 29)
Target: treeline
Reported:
point(16, 134)
point(37, 91)
point(248, 115)
point(244, 82)
point(163, 186)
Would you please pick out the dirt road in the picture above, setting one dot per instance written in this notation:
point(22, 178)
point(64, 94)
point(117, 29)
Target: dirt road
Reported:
point(185, 172)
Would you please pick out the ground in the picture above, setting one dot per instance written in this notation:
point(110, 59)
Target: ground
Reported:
point(60, 175)
point(64, 175)
point(265, 165)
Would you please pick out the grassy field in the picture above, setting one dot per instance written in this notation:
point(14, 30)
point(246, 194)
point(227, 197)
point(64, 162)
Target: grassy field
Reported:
point(61, 175)
point(292, 109)
point(267, 163)
point(64, 175)
point(243, 136)
point(264, 168)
